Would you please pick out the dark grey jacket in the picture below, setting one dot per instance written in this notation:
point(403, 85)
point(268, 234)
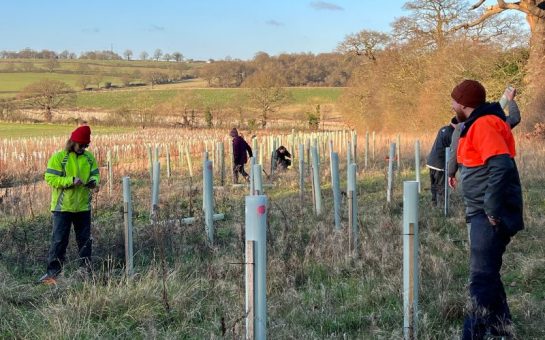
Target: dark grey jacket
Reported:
point(436, 158)
point(513, 120)
point(493, 188)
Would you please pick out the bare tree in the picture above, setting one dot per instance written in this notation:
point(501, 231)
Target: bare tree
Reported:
point(535, 16)
point(154, 78)
point(27, 66)
point(364, 43)
point(143, 104)
point(64, 54)
point(267, 93)
point(84, 81)
point(157, 54)
point(126, 79)
point(97, 79)
point(177, 56)
point(144, 55)
point(128, 54)
point(47, 95)
point(51, 64)
point(430, 21)
point(167, 57)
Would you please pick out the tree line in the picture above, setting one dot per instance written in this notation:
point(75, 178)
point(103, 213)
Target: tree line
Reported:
point(296, 69)
point(404, 77)
point(128, 54)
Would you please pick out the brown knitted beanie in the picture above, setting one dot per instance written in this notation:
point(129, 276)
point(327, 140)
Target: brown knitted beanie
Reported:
point(469, 93)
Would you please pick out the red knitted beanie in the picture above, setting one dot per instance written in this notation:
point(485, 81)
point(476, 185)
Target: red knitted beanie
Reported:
point(469, 93)
point(81, 135)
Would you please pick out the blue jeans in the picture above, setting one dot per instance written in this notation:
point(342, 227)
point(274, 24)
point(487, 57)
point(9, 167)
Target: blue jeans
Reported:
point(62, 222)
point(490, 313)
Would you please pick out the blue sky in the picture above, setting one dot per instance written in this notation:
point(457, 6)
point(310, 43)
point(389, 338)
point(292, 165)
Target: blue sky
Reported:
point(199, 29)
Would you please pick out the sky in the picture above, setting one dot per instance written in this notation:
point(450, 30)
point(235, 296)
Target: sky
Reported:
point(199, 29)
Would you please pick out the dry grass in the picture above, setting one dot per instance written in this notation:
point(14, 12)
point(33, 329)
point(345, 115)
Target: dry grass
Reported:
point(315, 290)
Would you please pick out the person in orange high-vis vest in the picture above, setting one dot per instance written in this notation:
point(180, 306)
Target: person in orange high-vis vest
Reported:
point(493, 199)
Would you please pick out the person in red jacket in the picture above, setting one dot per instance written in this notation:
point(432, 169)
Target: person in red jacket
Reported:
point(493, 199)
point(240, 148)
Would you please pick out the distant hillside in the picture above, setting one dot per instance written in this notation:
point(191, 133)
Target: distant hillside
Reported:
point(15, 74)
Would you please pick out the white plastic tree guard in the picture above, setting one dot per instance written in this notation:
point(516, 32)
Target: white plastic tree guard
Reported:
point(336, 187)
point(110, 173)
point(410, 259)
point(366, 164)
point(208, 200)
point(447, 189)
point(256, 280)
point(301, 171)
point(316, 180)
point(353, 230)
point(398, 152)
point(417, 163)
point(155, 188)
point(390, 187)
point(127, 217)
point(258, 179)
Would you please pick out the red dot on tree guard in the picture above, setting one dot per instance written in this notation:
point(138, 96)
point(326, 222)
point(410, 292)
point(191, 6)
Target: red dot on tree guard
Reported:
point(261, 209)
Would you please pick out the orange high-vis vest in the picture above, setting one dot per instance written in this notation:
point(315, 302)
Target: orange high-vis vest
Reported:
point(488, 136)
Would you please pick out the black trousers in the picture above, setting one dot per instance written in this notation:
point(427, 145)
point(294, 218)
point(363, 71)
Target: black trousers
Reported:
point(489, 313)
point(437, 180)
point(238, 169)
point(283, 164)
point(62, 222)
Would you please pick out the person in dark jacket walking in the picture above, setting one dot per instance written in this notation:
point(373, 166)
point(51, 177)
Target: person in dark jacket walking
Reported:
point(72, 173)
point(240, 148)
point(436, 161)
point(493, 198)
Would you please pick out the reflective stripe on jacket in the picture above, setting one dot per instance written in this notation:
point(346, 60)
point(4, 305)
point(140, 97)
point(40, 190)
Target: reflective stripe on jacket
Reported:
point(62, 168)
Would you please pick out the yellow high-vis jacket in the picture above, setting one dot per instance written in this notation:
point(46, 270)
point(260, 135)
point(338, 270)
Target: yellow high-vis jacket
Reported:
point(62, 168)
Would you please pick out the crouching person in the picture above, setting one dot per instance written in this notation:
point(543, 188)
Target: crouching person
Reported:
point(283, 158)
point(71, 173)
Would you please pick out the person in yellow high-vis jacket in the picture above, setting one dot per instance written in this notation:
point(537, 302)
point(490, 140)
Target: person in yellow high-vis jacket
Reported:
point(72, 174)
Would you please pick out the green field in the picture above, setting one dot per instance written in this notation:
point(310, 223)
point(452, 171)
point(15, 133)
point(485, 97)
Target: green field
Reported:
point(13, 79)
point(15, 73)
point(14, 130)
point(12, 83)
point(206, 97)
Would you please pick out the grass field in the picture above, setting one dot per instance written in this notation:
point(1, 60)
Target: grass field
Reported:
point(206, 97)
point(12, 83)
point(70, 70)
point(186, 288)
